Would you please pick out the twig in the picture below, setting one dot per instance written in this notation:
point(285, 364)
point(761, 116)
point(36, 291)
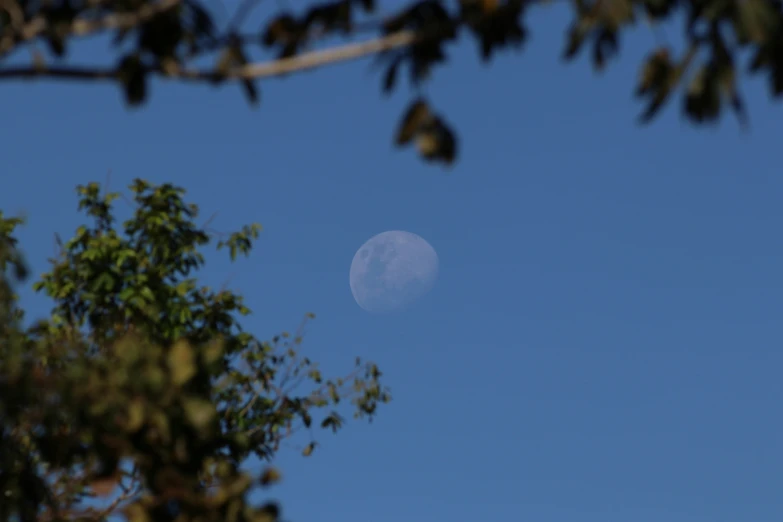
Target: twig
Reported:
point(128, 491)
point(210, 220)
point(66, 73)
point(241, 14)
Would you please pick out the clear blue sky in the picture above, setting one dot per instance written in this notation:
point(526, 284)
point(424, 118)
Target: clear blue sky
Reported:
point(604, 340)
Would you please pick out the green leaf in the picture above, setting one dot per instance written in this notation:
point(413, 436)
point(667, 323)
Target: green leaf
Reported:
point(199, 412)
point(270, 476)
point(308, 450)
point(136, 416)
point(315, 375)
point(212, 352)
point(182, 363)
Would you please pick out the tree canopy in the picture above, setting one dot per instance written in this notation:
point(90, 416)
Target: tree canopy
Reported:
point(141, 395)
point(180, 40)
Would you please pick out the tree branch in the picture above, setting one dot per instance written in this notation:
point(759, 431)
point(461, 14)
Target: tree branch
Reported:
point(299, 63)
point(65, 73)
point(316, 59)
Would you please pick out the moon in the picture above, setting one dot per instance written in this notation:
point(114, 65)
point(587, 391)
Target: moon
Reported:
point(392, 270)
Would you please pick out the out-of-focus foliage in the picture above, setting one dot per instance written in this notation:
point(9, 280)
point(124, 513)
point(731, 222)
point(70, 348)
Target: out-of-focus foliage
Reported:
point(141, 395)
point(170, 37)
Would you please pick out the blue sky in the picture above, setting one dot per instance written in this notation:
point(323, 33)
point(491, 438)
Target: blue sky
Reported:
point(604, 340)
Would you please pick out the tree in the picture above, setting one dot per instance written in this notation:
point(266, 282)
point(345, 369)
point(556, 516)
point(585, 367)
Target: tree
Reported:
point(174, 37)
point(141, 391)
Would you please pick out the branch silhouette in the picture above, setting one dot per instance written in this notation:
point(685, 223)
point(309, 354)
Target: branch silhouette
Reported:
point(266, 69)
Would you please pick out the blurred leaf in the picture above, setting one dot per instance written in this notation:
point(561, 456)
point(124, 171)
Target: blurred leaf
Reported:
point(136, 416)
point(576, 37)
point(137, 513)
point(390, 77)
point(269, 512)
point(437, 142)
point(270, 476)
point(182, 363)
point(133, 77)
point(415, 117)
point(200, 413)
point(606, 46)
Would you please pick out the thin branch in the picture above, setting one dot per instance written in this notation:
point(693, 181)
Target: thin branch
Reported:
point(65, 73)
point(210, 220)
point(241, 14)
point(273, 68)
point(128, 491)
point(315, 59)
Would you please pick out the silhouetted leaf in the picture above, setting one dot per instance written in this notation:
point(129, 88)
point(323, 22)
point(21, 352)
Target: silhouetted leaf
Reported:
point(576, 37)
point(270, 476)
point(659, 8)
point(656, 70)
point(162, 34)
point(437, 142)
point(368, 5)
point(390, 77)
point(56, 43)
point(202, 20)
point(270, 512)
point(415, 117)
point(605, 46)
point(133, 76)
point(284, 32)
point(251, 91)
point(702, 102)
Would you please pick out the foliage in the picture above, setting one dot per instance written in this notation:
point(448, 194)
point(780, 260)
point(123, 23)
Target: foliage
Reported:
point(141, 391)
point(172, 35)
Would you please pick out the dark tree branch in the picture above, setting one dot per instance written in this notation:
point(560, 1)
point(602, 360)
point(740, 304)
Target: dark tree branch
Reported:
point(273, 68)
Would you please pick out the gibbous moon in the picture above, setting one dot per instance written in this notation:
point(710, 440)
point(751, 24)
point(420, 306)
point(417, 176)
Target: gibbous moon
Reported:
point(392, 270)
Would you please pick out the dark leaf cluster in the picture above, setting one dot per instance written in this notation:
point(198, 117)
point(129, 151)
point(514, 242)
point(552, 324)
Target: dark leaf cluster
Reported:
point(167, 37)
point(289, 34)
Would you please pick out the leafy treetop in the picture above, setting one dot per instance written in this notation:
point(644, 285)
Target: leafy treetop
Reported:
point(141, 387)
